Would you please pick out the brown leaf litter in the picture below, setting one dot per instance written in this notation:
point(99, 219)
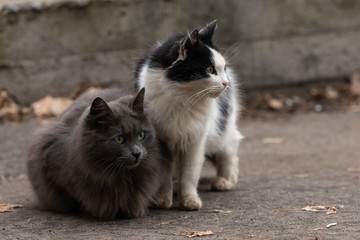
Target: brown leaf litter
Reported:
point(8, 108)
point(354, 170)
point(50, 106)
point(166, 223)
point(191, 234)
point(8, 207)
point(355, 83)
point(222, 211)
point(326, 209)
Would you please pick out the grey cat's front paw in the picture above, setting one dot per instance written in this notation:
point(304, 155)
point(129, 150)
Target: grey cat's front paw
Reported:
point(221, 184)
point(163, 202)
point(190, 203)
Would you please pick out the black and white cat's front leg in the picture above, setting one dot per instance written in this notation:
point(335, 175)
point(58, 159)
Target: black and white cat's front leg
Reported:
point(190, 165)
point(164, 197)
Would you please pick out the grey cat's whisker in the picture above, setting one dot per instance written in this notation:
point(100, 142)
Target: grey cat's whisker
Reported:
point(106, 171)
point(100, 163)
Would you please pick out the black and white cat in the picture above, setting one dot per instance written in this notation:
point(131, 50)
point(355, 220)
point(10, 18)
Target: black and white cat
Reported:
point(193, 102)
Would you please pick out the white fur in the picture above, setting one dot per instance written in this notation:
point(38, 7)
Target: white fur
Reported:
point(188, 123)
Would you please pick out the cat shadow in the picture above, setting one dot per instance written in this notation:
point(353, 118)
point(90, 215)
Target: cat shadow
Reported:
point(205, 184)
point(76, 216)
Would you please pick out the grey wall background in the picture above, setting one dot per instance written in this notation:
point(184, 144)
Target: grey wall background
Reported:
point(48, 47)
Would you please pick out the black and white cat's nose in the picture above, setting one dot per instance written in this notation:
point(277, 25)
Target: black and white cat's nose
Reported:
point(136, 154)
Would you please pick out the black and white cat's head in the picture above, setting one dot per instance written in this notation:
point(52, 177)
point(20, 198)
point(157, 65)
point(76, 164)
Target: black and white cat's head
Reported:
point(120, 133)
point(191, 60)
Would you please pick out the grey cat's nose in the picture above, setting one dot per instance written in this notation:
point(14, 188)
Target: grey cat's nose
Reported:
point(136, 154)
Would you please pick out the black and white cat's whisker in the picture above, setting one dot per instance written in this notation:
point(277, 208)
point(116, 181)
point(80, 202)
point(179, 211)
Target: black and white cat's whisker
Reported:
point(232, 53)
point(201, 95)
point(204, 91)
point(197, 97)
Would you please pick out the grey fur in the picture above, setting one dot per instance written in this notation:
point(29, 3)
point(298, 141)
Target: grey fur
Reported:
point(75, 163)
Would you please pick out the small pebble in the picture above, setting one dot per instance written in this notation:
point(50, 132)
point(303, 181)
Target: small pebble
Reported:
point(319, 108)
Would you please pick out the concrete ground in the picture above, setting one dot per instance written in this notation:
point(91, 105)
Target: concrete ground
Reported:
point(312, 159)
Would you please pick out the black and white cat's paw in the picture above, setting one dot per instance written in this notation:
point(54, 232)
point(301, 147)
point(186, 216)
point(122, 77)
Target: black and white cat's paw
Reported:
point(190, 203)
point(222, 184)
point(163, 201)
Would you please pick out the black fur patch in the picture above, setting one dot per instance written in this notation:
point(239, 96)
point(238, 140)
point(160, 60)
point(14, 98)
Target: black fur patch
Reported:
point(193, 67)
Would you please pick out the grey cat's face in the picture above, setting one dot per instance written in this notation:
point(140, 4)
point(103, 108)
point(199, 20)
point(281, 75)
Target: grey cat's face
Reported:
point(127, 142)
point(120, 133)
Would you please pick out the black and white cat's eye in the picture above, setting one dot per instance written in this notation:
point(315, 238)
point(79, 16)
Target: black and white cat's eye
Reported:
point(211, 70)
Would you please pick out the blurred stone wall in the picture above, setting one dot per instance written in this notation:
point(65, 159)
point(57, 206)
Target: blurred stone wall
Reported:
point(50, 47)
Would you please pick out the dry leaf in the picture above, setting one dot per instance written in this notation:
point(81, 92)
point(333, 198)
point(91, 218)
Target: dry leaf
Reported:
point(50, 106)
point(317, 93)
point(331, 93)
point(326, 209)
point(355, 83)
point(166, 223)
point(275, 104)
point(273, 140)
point(222, 211)
point(354, 170)
point(192, 234)
point(331, 225)
point(8, 207)
point(8, 108)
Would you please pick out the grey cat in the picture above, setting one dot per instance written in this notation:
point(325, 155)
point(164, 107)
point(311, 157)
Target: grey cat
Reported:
point(102, 156)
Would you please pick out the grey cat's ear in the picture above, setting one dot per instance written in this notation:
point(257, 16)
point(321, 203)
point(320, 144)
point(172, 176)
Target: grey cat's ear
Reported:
point(138, 103)
point(207, 32)
point(187, 43)
point(100, 113)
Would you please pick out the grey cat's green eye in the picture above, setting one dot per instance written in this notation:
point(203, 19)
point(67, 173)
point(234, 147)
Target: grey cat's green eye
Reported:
point(210, 70)
point(119, 139)
point(141, 136)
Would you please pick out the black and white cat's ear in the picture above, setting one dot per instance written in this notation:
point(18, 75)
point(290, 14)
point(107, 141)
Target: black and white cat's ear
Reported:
point(187, 43)
point(100, 113)
point(137, 104)
point(207, 32)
